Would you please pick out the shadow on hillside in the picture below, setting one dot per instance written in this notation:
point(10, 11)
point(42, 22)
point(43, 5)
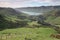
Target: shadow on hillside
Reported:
point(6, 24)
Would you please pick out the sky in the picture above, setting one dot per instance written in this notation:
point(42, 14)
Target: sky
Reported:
point(28, 3)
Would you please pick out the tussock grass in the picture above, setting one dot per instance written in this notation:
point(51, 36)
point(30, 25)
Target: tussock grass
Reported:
point(29, 33)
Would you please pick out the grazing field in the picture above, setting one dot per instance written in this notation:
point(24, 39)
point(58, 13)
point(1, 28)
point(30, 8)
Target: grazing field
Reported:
point(28, 34)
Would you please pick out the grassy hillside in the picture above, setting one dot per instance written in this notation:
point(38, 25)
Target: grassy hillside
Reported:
point(28, 34)
point(12, 14)
point(15, 25)
point(53, 17)
point(12, 18)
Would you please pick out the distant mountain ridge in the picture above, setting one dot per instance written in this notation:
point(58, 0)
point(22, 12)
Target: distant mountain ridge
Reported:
point(41, 9)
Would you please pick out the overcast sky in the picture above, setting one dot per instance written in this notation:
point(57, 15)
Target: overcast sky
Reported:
point(28, 3)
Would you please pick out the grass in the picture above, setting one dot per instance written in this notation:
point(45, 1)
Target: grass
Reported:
point(55, 21)
point(29, 33)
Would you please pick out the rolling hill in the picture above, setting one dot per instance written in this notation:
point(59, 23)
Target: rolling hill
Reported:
point(53, 17)
point(10, 18)
point(38, 10)
point(12, 14)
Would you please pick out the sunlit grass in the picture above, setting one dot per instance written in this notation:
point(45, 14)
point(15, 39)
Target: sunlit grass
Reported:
point(30, 33)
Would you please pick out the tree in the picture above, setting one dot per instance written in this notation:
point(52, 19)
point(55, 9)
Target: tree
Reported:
point(2, 22)
point(41, 19)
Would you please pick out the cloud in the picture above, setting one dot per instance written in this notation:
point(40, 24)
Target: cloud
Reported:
point(30, 0)
point(27, 3)
point(5, 4)
point(14, 3)
point(47, 0)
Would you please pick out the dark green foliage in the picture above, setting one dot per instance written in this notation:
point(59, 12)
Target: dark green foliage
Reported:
point(10, 18)
point(2, 21)
point(32, 18)
point(27, 39)
point(21, 23)
point(41, 19)
point(9, 24)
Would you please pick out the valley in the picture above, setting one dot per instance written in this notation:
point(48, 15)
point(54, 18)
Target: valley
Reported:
point(30, 23)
